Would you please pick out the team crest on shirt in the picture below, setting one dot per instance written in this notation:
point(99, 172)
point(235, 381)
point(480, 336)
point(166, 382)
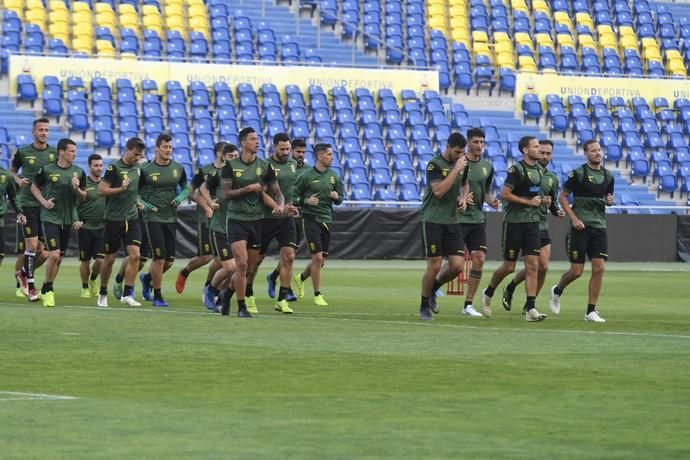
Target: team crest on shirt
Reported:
point(238, 173)
point(430, 167)
point(54, 177)
point(444, 172)
point(484, 171)
point(590, 178)
point(511, 169)
point(332, 180)
point(51, 157)
point(292, 167)
point(259, 171)
point(575, 254)
point(31, 161)
point(3, 179)
point(174, 172)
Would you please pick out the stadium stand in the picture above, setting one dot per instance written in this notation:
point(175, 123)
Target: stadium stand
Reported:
point(382, 140)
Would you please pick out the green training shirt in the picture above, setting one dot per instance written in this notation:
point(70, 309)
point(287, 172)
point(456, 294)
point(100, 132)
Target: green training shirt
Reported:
point(92, 209)
point(159, 187)
point(122, 206)
point(549, 187)
point(286, 174)
point(8, 193)
point(524, 181)
point(250, 206)
point(590, 187)
point(28, 161)
point(440, 210)
point(479, 175)
point(56, 183)
point(219, 220)
point(202, 174)
point(313, 182)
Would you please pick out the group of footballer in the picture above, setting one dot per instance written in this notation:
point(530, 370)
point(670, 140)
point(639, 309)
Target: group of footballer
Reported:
point(459, 182)
point(244, 202)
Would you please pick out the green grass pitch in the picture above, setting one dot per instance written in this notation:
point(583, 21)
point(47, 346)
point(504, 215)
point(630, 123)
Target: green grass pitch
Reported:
point(362, 378)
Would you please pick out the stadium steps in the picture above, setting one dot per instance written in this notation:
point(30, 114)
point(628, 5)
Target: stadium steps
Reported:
point(333, 50)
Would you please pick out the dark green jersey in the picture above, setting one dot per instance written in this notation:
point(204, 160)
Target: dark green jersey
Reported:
point(219, 220)
point(159, 186)
point(122, 206)
point(250, 206)
point(202, 174)
point(286, 174)
point(525, 182)
point(28, 161)
point(314, 182)
point(442, 210)
point(8, 193)
point(92, 209)
point(549, 187)
point(56, 184)
point(589, 187)
point(478, 175)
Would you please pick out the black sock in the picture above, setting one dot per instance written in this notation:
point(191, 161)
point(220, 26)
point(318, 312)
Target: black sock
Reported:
point(317, 293)
point(129, 290)
point(207, 283)
point(425, 303)
point(147, 278)
point(468, 303)
point(590, 308)
point(282, 293)
point(18, 284)
point(489, 292)
point(157, 294)
point(184, 272)
point(212, 290)
point(241, 304)
point(44, 288)
point(119, 278)
point(94, 276)
point(29, 264)
point(249, 292)
point(511, 287)
point(274, 275)
point(558, 291)
point(435, 287)
point(84, 285)
point(529, 303)
point(225, 296)
point(103, 291)
point(302, 277)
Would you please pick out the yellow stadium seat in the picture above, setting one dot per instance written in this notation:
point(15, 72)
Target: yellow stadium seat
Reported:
point(481, 48)
point(152, 22)
point(608, 41)
point(561, 17)
point(58, 16)
point(432, 10)
point(174, 9)
point(106, 19)
point(126, 8)
point(541, 6)
point(128, 56)
point(458, 12)
point(544, 39)
point(480, 36)
point(625, 31)
point(458, 23)
point(628, 43)
point(201, 2)
point(129, 21)
point(198, 24)
point(55, 5)
point(505, 62)
point(101, 7)
point(649, 42)
point(82, 30)
point(82, 45)
point(437, 23)
point(37, 17)
point(34, 4)
point(584, 19)
point(501, 37)
point(460, 3)
point(460, 36)
point(519, 5)
point(81, 17)
point(103, 45)
point(527, 64)
point(58, 28)
point(565, 40)
point(80, 6)
point(586, 41)
point(150, 10)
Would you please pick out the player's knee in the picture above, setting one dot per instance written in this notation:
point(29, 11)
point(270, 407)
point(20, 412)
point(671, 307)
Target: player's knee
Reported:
point(478, 258)
point(54, 256)
point(543, 266)
point(287, 256)
point(576, 271)
point(598, 268)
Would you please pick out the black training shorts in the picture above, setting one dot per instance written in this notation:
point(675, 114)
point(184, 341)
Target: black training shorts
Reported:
point(317, 235)
point(442, 240)
point(117, 232)
point(474, 236)
point(90, 244)
point(283, 230)
point(245, 231)
point(162, 240)
point(520, 237)
point(592, 242)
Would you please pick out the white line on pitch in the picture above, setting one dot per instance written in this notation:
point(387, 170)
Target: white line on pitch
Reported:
point(19, 396)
